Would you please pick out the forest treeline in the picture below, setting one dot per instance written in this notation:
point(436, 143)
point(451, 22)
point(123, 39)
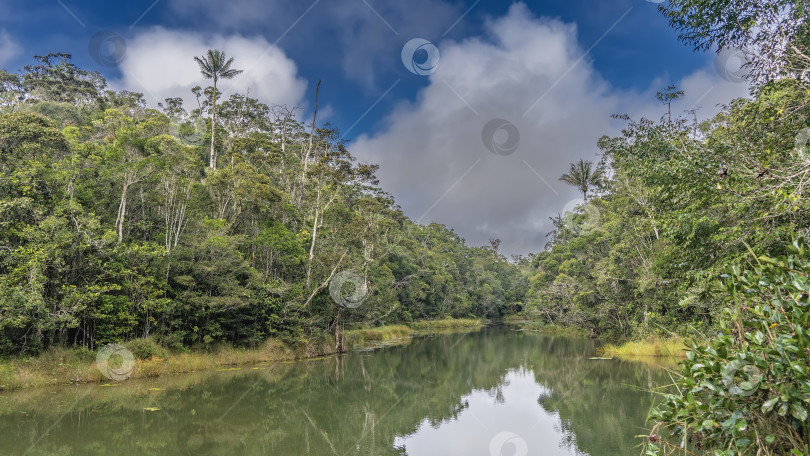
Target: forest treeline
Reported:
point(699, 228)
point(674, 201)
point(226, 221)
point(118, 221)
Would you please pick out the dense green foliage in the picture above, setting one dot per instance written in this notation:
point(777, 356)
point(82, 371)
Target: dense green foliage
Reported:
point(683, 202)
point(747, 388)
point(112, 227)
point(680, 203)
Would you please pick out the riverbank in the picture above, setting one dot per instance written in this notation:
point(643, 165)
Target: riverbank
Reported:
point(648, 348)
point(545, 328)
point(60, 366)
point(634, 350)
point(369, 338)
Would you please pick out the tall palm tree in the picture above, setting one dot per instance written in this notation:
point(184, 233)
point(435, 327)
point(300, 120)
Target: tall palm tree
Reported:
point(214, 66)
point(583, 175)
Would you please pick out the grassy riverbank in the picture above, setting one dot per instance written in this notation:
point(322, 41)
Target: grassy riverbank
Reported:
point(631, 350)
point(400, 334)
point(528, 324)
point(64, 366)
point(656, 348)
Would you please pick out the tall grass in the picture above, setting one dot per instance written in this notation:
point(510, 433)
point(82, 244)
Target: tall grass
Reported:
point(546, 328)
point(77, 365)
point(447, 323)
point(646, 348)
point(62, 366)
point(398, 334)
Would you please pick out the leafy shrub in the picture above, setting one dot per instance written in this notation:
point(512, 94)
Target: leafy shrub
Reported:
point(146, 348)
point(746, 391)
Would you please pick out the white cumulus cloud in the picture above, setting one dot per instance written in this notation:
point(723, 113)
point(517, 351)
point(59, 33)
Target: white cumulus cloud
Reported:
point(159, 63)
point(528, 71)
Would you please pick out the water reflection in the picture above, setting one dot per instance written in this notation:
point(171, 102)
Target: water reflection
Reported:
point(504, 421)
point(493, 392)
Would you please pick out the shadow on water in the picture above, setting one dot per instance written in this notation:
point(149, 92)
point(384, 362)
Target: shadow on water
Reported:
point(493, 392)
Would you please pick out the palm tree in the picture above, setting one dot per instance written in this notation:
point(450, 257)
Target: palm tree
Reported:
point(583, 176)
point(214, 66)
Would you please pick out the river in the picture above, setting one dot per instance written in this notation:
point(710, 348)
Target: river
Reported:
point(494, 392)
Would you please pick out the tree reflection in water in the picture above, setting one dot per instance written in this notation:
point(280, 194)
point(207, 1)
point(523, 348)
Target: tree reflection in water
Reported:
point(492, 392)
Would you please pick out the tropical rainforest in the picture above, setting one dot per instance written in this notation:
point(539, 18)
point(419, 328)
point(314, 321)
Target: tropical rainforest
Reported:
point(224, 222)
point(120, 221)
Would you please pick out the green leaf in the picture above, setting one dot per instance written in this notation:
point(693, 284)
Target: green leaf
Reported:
point(798, 412)
point(768, 405)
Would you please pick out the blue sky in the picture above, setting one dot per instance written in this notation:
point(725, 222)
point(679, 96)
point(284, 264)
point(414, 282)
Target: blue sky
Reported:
point(580, 59)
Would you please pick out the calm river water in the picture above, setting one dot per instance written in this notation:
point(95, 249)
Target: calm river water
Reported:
point(494, 392)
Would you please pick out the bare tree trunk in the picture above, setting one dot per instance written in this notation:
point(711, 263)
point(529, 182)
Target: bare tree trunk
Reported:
point(284, 134)
point(122, 210)
point(309, 149)
point(314, 235)
point(213, 159)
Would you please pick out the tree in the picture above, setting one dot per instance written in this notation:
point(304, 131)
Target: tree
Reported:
point(772, 35)
point(666, 97)
point(583, 176)
point(214, 66)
